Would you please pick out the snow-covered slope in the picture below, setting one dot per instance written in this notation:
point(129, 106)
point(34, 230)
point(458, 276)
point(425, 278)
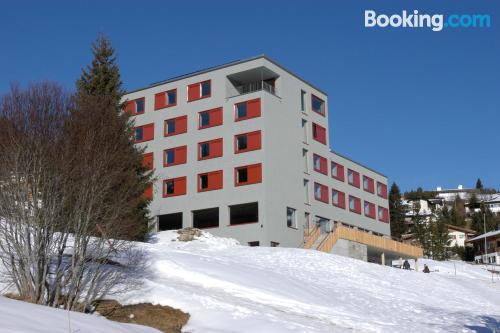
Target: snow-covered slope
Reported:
point(22, 317)
point(231, 288)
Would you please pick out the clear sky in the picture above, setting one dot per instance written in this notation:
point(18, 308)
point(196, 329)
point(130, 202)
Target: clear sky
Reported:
point(421, 107)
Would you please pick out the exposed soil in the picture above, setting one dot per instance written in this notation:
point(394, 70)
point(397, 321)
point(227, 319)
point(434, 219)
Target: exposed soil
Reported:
point(163, 318)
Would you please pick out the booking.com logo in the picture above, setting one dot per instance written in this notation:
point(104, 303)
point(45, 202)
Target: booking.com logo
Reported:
point(436, 22)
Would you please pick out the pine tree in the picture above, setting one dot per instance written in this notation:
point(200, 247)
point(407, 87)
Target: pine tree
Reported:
point(421, 230)
point(479, 184)
point(457, 213)
point(439, 237)
point(397, 212)
point(484, 218)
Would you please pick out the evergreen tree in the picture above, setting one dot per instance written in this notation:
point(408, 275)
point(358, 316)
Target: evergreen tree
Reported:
point(484, 217)
point(99, 109)
point(397, 212)
point(457, 213)
point(479, 184)
point(439, 237)
point(421, 230)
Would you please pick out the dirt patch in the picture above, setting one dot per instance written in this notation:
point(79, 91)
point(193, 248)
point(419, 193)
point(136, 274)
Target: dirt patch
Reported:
point(188, 234)
point(163, 318)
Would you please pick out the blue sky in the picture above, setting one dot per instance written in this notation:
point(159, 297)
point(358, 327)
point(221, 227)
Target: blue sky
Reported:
point(422, 107)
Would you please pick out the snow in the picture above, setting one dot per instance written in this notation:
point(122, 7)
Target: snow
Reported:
point(22, 317)
point(227, 287)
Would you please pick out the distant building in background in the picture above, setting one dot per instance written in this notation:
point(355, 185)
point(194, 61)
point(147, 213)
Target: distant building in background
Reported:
point(492, 253)
point(459, 235)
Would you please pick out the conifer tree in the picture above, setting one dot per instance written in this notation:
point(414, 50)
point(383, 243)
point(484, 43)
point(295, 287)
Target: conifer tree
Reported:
point(479, 184)
point(439, 237)
point(397, 212)
point(457, 213)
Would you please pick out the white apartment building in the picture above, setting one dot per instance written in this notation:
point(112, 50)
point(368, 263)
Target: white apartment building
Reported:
point(242, 150)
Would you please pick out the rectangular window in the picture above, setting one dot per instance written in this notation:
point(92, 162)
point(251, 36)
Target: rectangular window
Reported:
point(210, 118)
point(320, 164)
point(382, 190)
point(319, 133)
point(338, 171)
point(303, 100)
point(174, 187)
point(244, 213)
point(206, 218)
point(175, 156)
point(210, 181)
point(353, 178)
point(136, 106)
point(338, 199)
point(354, 204)
point(148, 161)
point(199, 90)
point(306, 191)
point(144, 133)
point(249, 174)
point(321, 192)
point(305, 139)
point(368, 184)
point(247, 109)
point(306, 160)
point(165, 99)
point(369, 209)
point(275, 244)
point(254, 243)
point(318, 105)
point(175, 126)
point(291, 217)
point(247, 142)
point(383, 214)
point(170, 221)
point(210, 149)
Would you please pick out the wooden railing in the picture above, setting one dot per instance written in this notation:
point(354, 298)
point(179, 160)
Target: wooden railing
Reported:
point(362, 237)
point(311, 238)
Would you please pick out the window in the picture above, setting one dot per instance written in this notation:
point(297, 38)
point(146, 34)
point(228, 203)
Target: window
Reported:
point(306, 191)
point(249, 174)
point(174, 187)
point(136, 106)
point(337, 171)
point(254, 243)
point(165, 99)
point(210, 149)
point(318, 105)
point(306, 162)
point(368, 184)
point(244, 213)
point(247, 142)
point(247, 109)
point(354, 204)
point(321, 192)
point(383, 214)
point(199, 90)
point(338, 199)
point(275, 244)
point(369, 209)
point(206, 218)
point(210, 181)
point(291, 217)
point(170, 221)
point(303, 100)
point(353, 178)
point(304, 131)
point(175, 126)
point(320, 164)
point(382, 190)
point(319, 133)
point(175, 156)
point(210, 118)
point(148, 161)
point(144, 133)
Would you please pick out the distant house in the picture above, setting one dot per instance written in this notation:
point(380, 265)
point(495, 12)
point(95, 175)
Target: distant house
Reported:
point(459, 235)
point(492, 253)
point(492, 201)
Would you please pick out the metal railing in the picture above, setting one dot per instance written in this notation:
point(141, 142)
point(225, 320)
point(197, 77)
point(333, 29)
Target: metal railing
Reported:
point(256, 86)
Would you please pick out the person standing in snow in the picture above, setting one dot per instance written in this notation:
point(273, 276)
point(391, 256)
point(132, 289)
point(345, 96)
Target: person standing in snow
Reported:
point(426, 269)
point(406, 264)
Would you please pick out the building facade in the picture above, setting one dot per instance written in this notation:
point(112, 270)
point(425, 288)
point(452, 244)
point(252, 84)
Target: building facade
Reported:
point(242, 150)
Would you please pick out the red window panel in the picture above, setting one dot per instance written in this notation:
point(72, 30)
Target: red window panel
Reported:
point(383, 214)
point(320, 164)
point(247, 142)
point(174, 187)
point(247, 110)
point(338, 199)
point(166, 99)
point(210, 118)
point(337, 171)
point(175, 156)
point(321, 192)
point(354, 204)
point(148, 161)
point(136, 106)
point(319, 133)
point(174, 126)
point(210, 181)
point(318, 105)
point(353, 178)
point(210, 149)
point(148, 192)
point(369, 209)
point(382, 190)
point(199, 90)
point(144, 133)
point(368, 184)
point(248, 174)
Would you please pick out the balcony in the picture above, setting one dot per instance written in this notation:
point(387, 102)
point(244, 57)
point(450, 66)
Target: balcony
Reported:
point(246, 82)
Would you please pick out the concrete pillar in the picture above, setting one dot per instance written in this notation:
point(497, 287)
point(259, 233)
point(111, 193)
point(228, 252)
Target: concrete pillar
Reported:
point(416, 264)
point(400, 262)
point(382, 258)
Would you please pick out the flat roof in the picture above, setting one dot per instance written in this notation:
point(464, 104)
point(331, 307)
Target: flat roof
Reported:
point(353, 161)
point(229, 64)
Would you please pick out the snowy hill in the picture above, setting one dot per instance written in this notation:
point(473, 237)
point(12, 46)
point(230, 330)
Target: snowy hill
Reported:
point(231, 288)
